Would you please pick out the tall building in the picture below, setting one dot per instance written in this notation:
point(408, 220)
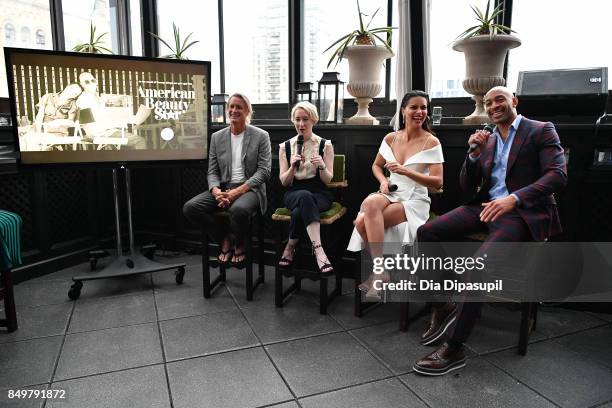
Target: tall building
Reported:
point(270, 54)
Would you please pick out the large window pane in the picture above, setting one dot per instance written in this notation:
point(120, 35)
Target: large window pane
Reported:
point(326, 21)
point(577, 38)
point(79, 14)
point(135, 28)
point(256, 49)
point(199, 18)
point(24, 24)
point(449, 18)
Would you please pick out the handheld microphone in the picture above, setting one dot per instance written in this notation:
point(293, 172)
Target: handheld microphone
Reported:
point(392, 187)
point(300, 147)
point(473, 146)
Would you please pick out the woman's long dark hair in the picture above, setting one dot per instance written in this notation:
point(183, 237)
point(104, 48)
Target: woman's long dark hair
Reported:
point(405, 100)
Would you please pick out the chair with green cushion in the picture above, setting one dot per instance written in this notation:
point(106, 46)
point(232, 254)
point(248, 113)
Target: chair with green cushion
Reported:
point(10, 257)
point(301, 270)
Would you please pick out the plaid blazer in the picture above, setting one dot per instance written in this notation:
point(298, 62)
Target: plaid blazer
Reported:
point(536, 169)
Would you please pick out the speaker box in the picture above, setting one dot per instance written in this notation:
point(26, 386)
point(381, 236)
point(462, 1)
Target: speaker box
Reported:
point(563, 95)
point(580, 81)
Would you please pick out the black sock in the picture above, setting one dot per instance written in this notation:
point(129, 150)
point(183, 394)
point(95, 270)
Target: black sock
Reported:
point(454, 344)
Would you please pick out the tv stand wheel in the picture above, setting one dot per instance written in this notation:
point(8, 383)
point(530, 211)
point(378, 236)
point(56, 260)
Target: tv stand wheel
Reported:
point(179, 275)
point(148, 251)
point(75, 290)
point(93, 262)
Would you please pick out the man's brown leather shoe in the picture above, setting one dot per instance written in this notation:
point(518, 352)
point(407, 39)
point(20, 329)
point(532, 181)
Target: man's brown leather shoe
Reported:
point(442, 361)
point(441, 319)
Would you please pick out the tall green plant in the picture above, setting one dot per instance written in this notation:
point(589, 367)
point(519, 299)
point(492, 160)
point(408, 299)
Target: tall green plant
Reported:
point(180, 46)
point(486, 23)
point(363, 35)
point(94, 45)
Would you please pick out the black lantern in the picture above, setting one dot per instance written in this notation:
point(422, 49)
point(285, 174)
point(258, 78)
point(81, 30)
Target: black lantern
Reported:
point(303, 92)
point(218, 105)
point(331, 98)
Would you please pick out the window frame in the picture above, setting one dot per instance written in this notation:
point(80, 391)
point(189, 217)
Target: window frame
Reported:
point(148, 12)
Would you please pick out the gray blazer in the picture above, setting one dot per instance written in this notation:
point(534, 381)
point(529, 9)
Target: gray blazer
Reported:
point(256, 160)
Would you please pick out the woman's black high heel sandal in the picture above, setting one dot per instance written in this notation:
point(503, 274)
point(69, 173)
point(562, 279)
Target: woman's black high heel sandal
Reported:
point(326, 268)
point(286, 263)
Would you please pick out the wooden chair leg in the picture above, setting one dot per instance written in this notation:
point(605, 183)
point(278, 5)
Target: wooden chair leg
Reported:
point(526, 318)
point(404, 314)
point(205, 265)
point(248, 245)
point(323, 299)
point(261, 261)
point(278, 287)
point(9, 301)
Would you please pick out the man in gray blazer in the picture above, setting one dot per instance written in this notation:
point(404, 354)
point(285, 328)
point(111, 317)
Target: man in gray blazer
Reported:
point(239, 164)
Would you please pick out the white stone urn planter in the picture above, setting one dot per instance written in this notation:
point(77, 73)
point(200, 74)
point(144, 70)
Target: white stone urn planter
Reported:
point(365, 65)
point(484, 67)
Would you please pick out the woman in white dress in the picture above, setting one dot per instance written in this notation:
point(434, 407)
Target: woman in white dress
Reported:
point(413, 156)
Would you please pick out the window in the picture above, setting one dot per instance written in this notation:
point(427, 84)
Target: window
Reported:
point(24, 13)
point(40, 37)
point(256, 49)
point(135, 27)
point(202, 22)
point(325, 22)
point(579, 36)
point(449, 18)
point(25, 35)
point(79, 14)
point(9, 33)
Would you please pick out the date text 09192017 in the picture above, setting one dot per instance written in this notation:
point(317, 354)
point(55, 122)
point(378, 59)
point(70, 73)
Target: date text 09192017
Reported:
point(35, 394)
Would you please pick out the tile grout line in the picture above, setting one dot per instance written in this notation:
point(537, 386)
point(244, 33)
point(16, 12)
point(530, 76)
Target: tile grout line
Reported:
point(520, 381)
point(262, 345)
point(161, 343)
point(396, 376)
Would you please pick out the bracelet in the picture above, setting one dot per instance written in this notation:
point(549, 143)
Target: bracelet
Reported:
point(323, 168)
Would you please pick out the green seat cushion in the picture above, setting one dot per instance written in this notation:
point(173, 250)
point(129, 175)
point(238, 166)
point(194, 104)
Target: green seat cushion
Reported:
point(333, 210)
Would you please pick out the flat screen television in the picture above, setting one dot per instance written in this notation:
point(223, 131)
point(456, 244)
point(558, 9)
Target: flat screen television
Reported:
point(88, 108)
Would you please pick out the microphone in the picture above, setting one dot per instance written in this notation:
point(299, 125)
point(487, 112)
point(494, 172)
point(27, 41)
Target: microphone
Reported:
point(392, 187)
point(300, 147)
point(473, 146)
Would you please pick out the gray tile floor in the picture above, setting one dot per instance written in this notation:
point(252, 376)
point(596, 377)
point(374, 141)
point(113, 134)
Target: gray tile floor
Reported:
point(146, 342)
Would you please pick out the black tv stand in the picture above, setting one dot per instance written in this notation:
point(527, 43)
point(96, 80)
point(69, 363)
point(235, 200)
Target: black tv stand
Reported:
point(133, 263)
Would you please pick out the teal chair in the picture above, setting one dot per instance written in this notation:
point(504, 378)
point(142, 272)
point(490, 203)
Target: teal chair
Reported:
point(10, 257)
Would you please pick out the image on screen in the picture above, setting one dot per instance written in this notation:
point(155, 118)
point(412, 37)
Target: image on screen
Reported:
point(81, 108)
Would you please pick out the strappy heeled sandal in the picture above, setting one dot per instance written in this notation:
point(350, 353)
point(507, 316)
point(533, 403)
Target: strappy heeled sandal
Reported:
point(286, 263)
point(326, 268)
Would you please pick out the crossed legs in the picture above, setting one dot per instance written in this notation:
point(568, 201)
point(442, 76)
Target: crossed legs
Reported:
point(378, 214)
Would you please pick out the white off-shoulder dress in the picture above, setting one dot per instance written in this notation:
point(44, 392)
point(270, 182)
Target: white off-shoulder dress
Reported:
point(412, 195)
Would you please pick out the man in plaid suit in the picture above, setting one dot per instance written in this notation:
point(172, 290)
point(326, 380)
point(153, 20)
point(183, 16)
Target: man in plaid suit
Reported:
point(513, 173)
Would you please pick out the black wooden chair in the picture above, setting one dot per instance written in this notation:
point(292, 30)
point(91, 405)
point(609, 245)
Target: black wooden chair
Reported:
point(307, 269)
point(10, 257)
point(250, 285)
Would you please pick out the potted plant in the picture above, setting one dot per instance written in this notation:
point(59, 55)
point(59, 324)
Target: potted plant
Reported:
point(485, 46)
point(95, 44)
point(180, 46)
point(365, 62)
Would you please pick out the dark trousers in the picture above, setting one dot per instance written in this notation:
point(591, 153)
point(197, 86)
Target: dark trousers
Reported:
point(463, 221)
point(201, 209)
point(305, 207)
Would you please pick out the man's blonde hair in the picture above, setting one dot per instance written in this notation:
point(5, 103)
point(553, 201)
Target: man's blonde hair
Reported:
point(247, 102)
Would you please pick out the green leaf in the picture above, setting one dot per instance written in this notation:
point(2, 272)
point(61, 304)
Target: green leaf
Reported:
point(338, 41)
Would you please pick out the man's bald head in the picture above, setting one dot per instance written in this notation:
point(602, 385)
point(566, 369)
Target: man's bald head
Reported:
point(499, 89)
point(500, 105)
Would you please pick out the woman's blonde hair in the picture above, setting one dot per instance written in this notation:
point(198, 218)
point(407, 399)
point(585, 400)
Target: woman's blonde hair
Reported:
point(307, 107)
point(247, 102)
